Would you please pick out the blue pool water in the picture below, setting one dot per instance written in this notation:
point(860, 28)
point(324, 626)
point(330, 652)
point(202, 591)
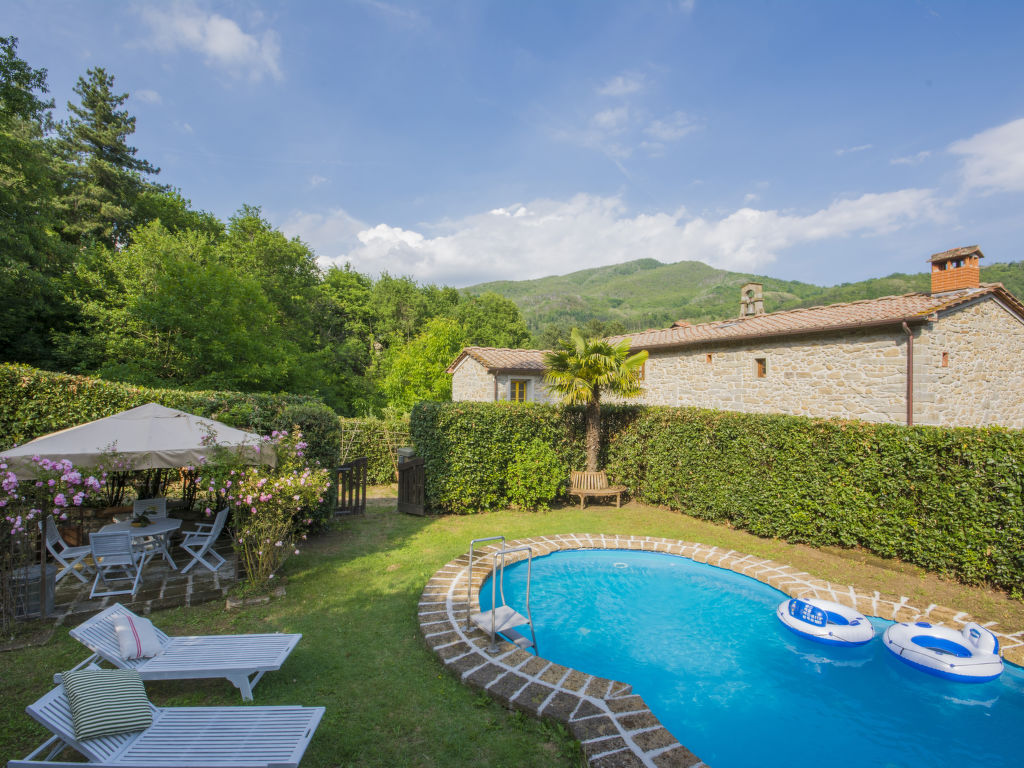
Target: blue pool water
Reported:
point(703, 647)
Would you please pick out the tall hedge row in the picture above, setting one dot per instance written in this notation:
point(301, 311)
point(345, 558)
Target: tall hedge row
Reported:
point(469, 447)
point(35, 402)
point(949, 500)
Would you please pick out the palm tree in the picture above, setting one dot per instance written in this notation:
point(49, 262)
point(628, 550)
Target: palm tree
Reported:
point(580, 370)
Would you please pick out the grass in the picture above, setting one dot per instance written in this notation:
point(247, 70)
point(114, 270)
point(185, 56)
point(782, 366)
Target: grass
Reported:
point(353, 594)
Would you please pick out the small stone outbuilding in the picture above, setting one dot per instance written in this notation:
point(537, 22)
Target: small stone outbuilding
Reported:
point(952, 356)
point(489, 374)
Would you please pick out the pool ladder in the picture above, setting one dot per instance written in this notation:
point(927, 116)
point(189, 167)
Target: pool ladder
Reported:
point(502, 618)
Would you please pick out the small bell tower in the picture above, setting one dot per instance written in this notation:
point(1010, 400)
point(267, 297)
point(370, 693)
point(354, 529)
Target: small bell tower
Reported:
point(752, 299)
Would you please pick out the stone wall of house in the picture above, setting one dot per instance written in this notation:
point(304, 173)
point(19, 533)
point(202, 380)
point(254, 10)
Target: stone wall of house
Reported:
point(536, 391)
point(472, 382)
point(982, 380)
point(857, 375)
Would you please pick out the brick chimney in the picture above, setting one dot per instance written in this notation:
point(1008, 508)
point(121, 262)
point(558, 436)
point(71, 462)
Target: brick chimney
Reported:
point(752, 299)
point(956, 269)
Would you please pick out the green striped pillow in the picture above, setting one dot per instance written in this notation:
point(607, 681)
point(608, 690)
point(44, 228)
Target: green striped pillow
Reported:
point(105, 702)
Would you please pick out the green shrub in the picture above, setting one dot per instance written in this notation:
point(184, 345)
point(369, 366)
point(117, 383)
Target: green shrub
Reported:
point(948, 499)
point(35, 402)
point(536, 476)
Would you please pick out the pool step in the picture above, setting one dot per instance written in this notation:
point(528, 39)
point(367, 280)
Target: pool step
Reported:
point(505, 618)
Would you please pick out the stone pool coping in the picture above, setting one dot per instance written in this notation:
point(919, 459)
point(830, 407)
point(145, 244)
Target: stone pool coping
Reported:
point(614, 726)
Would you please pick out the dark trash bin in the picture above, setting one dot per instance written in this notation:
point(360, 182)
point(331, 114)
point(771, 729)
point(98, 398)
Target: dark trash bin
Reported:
point(25, 584)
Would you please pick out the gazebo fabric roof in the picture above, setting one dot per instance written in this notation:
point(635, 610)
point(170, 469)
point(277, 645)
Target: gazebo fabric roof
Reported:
point(148, 437)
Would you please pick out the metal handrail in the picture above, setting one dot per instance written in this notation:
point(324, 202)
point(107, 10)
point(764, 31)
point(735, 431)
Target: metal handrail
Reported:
point(469, 588)
point(501, 577)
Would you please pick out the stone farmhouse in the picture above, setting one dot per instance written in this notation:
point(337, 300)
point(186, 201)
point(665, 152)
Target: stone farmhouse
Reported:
point(953, 356)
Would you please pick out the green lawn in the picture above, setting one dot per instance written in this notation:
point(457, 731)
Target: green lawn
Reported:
point(353, 594)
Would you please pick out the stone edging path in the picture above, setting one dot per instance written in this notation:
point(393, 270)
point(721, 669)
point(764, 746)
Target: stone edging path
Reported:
point(614, 726)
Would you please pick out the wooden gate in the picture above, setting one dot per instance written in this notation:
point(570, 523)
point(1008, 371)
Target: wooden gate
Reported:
point(412, 487)
point(350, 487)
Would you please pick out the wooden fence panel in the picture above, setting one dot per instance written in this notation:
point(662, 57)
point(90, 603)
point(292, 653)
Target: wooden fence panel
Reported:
point(350, 487)
point(412, 487)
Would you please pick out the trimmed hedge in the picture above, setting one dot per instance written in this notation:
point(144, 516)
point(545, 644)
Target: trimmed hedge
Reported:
point(949, 500)
point(35, 402)
point(377, 440)
point(469, 447)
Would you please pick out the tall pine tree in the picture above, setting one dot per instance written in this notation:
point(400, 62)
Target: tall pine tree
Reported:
point(104, 177)
point(32, 256)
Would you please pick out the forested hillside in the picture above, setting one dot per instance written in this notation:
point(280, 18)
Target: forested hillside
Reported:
point(105, 271)
point(647, 294)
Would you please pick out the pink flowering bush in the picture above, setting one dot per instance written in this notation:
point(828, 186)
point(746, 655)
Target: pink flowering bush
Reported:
point(56, 488)
point(271, 509)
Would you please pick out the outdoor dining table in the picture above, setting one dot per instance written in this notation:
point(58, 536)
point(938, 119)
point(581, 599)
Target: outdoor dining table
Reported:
point(159, 527)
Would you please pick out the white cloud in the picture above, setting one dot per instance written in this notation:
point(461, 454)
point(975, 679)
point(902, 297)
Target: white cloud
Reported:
point(993, 160)
point(187, 128)
point(611, 120)
point(546, 237)
point(850, 150)
point(686, 6)
point(316, 180)
point(220, 40)
point(394, 12)
point(148, 96)
point(622, 85)
point(751, 197)
point(671, 128)
point(920, 157)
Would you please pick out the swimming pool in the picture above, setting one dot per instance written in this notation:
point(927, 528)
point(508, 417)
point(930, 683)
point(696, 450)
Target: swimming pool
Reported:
point(703, 647)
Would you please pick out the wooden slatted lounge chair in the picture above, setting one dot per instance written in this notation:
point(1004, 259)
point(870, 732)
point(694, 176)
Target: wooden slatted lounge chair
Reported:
point(584, 484)
point(198, 543)
point(241, 659)
point(185, 737)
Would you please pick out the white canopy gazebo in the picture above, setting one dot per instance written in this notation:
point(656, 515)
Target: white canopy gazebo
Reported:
point(148, 437)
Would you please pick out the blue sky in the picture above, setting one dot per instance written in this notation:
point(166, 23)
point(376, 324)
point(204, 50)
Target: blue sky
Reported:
point(459, 142)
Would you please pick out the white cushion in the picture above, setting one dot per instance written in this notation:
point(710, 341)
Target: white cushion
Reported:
point(137, 637)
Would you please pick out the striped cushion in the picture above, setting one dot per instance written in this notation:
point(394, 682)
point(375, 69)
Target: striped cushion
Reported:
point(105, 702)
point(136, 637)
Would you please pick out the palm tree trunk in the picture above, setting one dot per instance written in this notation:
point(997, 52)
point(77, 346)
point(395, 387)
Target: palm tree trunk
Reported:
point(593, 434)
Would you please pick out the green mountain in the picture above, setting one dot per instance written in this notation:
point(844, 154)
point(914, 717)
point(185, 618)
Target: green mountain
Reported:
point(648, 294)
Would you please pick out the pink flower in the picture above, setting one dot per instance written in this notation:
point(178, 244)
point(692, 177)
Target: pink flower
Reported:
point(296, 551)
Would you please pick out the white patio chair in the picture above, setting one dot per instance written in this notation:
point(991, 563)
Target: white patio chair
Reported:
point(154, 509)
point(241, 659)
point(116, 560)
point(190, 737)
point(199, 543)
point(67, 556)
point(150, 507)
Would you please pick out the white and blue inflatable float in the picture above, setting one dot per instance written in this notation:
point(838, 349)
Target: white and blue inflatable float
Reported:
point(970, 655)
point(825, 621)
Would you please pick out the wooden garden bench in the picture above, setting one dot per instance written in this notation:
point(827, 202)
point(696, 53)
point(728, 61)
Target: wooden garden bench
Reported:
point(584, 484)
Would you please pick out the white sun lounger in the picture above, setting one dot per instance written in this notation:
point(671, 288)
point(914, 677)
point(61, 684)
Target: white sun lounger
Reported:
point(242, 659)
point(184, 737)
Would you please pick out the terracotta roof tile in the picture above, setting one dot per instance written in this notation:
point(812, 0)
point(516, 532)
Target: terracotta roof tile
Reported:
point(497, 358)
point(957, 253)
point(884, 311)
